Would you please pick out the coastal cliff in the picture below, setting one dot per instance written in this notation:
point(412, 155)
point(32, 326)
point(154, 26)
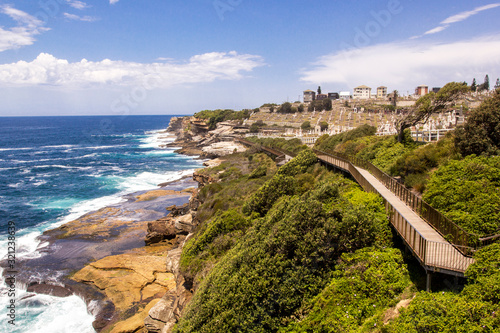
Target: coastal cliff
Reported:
point(142, 290)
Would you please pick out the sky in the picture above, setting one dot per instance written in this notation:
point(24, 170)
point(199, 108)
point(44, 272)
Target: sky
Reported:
point(149, 57)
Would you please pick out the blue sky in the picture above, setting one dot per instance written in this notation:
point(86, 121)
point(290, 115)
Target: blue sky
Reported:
point(77, 57)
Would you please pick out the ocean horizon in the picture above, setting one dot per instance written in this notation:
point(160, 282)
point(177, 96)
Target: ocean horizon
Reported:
point(55, 169)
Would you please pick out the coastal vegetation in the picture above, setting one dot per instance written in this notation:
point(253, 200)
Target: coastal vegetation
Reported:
point(292, 146)
point(300, 248)
point(213, 117)
point(286, 240)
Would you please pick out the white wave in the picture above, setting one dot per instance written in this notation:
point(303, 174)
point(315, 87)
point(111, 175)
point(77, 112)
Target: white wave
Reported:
point(61, 167)
point(60, 146)
point(19, 161)
point(100, 147)
point(161, 152)
point(16, 185)
point(9, 149)
point(43, 313)
point(12, 168)
point(155, 139)
point(148, 180)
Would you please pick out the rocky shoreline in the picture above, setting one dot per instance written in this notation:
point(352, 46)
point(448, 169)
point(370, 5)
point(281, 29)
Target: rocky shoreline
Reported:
point(123, 260)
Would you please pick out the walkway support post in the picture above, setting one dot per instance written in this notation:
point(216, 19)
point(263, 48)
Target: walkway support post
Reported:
point(429, 280)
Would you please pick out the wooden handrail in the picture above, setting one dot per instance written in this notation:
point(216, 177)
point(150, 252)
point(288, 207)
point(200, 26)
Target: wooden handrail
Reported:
point(447, 228)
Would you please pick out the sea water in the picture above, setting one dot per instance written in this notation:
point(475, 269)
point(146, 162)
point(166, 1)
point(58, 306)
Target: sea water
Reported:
point(55, 169)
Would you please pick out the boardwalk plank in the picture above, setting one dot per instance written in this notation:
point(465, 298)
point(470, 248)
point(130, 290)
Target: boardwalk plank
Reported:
point(437, 254)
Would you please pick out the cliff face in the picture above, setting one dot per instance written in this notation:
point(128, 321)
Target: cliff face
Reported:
point(177, 228)
point(195, 138)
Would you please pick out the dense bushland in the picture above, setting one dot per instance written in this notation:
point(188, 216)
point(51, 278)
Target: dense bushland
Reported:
point(301, 249)
point(266, 265)
point(363, 286)
point(481, 133)
point(468, 192)
point(475, 309)
point(293, 146)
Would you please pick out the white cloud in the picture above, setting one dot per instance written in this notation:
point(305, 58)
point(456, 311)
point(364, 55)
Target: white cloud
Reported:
point(404, 65)
point(113, 1)
point(48, 70)
point(21, 35)
point(80, 18)
point(459, 18)
point(77, 4)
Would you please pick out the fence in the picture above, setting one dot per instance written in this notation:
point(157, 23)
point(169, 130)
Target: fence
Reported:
point(462, 240)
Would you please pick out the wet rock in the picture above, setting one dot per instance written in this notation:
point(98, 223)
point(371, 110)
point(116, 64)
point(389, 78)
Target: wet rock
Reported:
point(136, 322)
point(178, 210)
point(47, 289)
point(105, 316)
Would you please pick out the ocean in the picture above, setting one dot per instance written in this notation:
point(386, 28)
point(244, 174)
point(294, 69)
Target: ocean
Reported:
point(55, 169)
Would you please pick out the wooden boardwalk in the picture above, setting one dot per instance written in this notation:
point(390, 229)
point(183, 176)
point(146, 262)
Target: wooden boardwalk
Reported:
point(429, 247)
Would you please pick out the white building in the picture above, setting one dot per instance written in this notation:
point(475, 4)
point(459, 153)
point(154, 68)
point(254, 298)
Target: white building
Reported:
point(345, 95)
point(362, 92)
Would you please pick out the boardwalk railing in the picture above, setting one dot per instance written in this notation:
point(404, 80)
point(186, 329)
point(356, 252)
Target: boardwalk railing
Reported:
point(464, 241)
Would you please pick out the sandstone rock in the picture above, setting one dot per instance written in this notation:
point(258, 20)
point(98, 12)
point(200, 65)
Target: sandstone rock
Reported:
point(167, 280)
point(223, 148)
point(178, 210)
point(156, 318)
point(154, 290)
point(151, 195)
point(123, 278)
point(168, 228)
point(212, 163)
point(203, 179)
point(184, 224)
point(136, 322)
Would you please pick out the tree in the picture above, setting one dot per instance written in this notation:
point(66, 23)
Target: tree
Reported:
point(300, 108)
point(271, 109)
point(316, 105)
point(497, 85)
point(327, 104)
point(323, 125)
point(254, 128)
point(473, 86)
point(395, 98)
point(430, 104)
point(481, 133)
point(306, 125)
point(285, 108)
point(319, 90)
point(485, 85)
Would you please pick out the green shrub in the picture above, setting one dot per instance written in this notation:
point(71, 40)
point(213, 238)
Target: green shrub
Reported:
point(481, 132)
point(259, 172)
point(467, 192)
point(484, 275)
point(284, 259)
point(364, 284)
point(446, 312)
point(298, 164)
point(262, 200)
point(293, 146)
point(328, 143)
